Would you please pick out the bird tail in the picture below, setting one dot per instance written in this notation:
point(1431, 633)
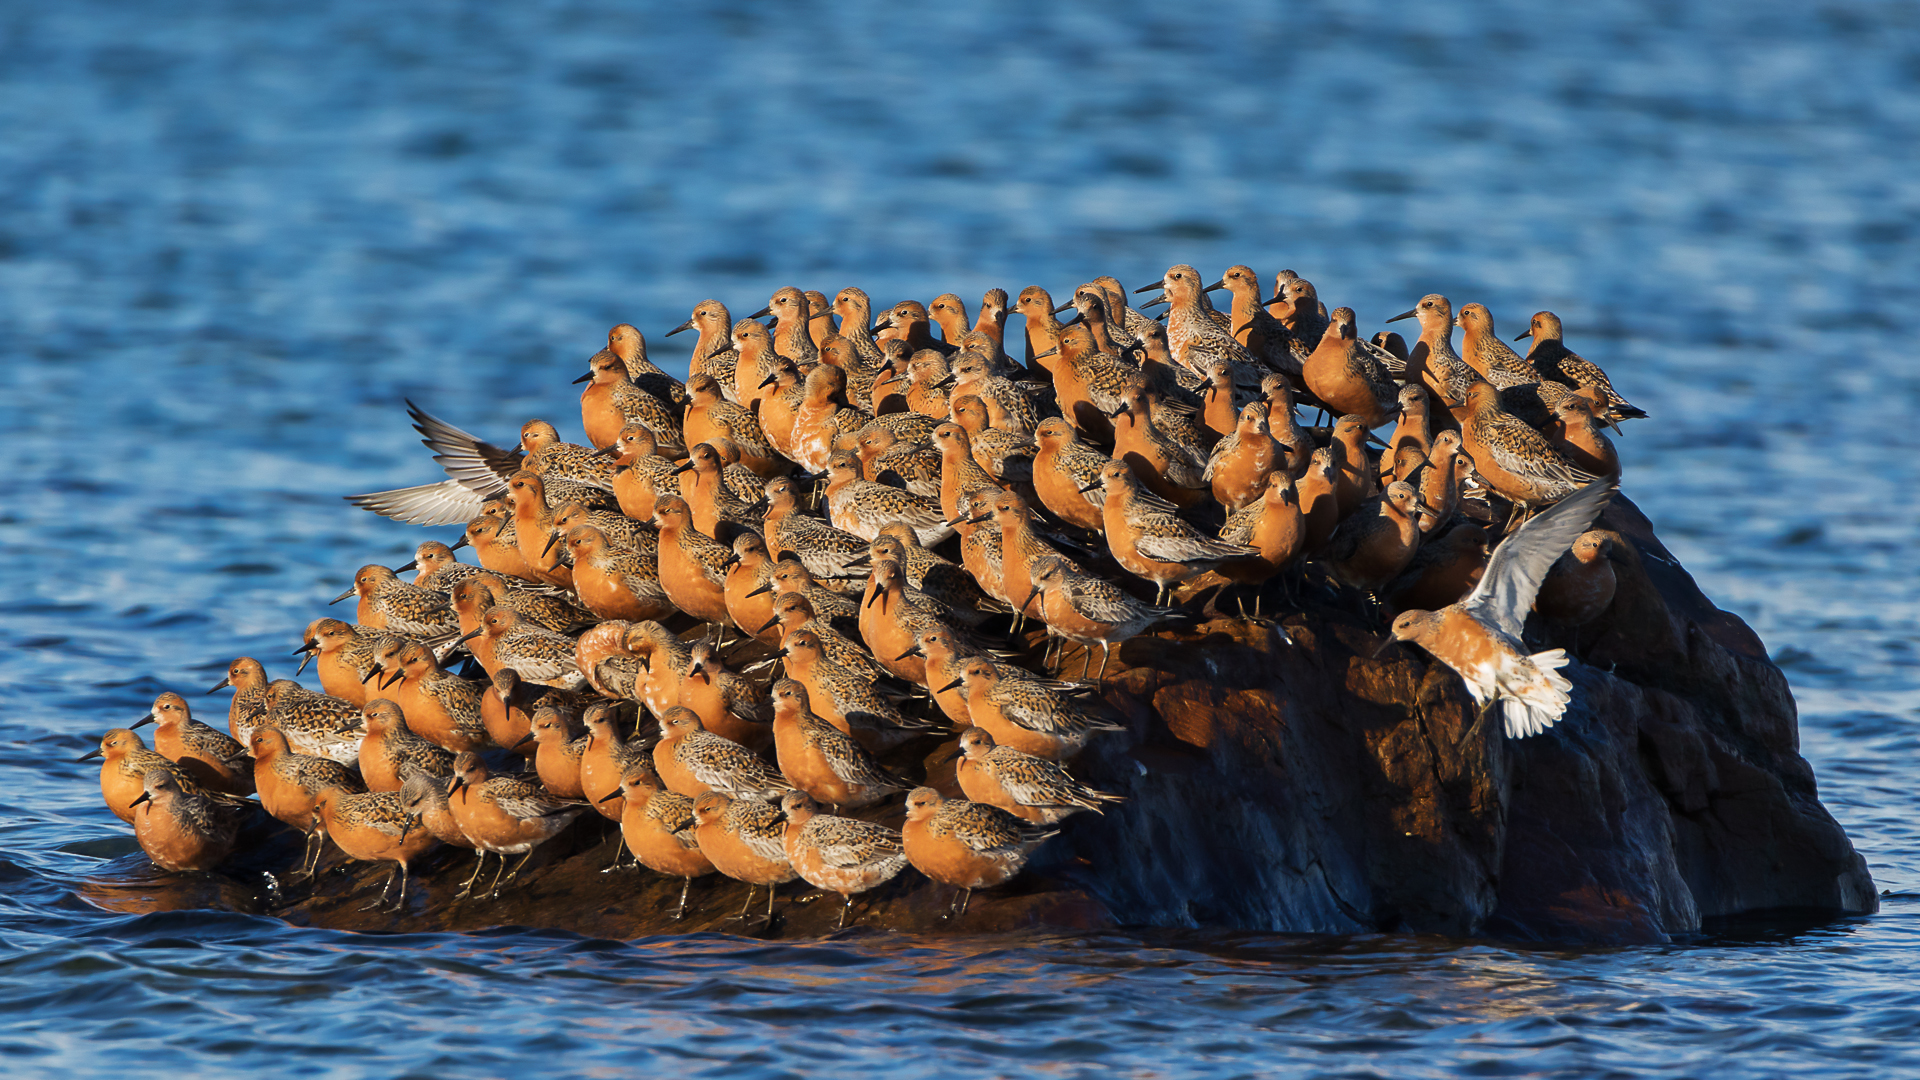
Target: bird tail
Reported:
point(1533, 705)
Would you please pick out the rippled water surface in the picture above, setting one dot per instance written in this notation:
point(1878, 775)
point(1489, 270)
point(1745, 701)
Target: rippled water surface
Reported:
point(233, 237)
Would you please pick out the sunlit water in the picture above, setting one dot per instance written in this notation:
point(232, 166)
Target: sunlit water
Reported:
point(233, 237)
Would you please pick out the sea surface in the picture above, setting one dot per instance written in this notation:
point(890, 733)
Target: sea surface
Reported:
point(234, 236)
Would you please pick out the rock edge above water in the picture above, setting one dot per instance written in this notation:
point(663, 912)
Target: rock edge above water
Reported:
point(1301, 787)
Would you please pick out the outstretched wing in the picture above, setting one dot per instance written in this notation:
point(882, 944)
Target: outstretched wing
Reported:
point(471, 460)
point(1519, 564)
point(448, 502)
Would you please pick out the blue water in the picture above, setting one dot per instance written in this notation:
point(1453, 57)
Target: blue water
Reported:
point(234, 236)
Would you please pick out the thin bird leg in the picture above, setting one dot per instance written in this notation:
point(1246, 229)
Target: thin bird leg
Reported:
point(1106, 653)
point(619, 847)
point(1086, 663)
point(466, 889)
point(843, 913)
point(748, 904)
point(685, 884)
point(494, 894)
point(966, 897)
point(384, 890)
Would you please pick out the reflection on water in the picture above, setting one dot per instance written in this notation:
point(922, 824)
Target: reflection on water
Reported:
point(233, 236)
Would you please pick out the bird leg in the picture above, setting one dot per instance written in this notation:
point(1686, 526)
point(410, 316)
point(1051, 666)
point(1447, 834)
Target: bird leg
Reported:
point(844, 912)
point(1106, 653)
point(466, 889)
point(494, 893)
point(619, 846)
point(384, 890)
point(966, 897)
point(681, 911)
point(749, 903)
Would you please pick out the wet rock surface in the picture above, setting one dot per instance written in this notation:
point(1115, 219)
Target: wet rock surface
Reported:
point(1280, 777)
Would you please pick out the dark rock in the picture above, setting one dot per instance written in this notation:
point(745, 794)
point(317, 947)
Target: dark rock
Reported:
point(1302, 786)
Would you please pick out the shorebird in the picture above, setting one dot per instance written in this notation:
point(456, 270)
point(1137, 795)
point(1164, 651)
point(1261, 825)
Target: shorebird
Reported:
point(1149, 541)
point(692, 761)
point(124, 764)
point(1240, 464)
point(713, 351)
point(181, 829)
point(1581, 584)
point(827, 552)
point(1350, 375)
point(1550, 357)
point(289, 783)
point(1091, 610)
point(374, 827)
point(1025, 714)
point(1480, 637)
point(838, 854)
point(1432, 359)
point(205, 754)
point(441, 707)
point(611, 401)
point(248, 677)
point(559, 745)
point(822, 760)
point(862, 507)
point(968, 845)
point(538, 654)
point(745, 840)
point(507, 815)
point(391, 752)
point(1030, 787)
point(1516, 461)
point(658, 827)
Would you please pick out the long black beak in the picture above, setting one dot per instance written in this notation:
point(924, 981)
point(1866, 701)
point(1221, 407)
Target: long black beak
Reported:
point(524, 741)
point(1276, 298)
point(89, 755)
point(1077, 316)
point(612, 795)
point(143, 797)
point(410, 564)
point(1031, 593)
point(469, 637)
point(343, 596)
point(1158, 286)
point(551, 540)
point(307, 648)
point(1216, 286)
point(954, 685)
point(221, 685)
point(688, 325)
point(607, 451)
point(368, 677)
point(583, 378)
point(142, 722)
point(457, 544)
point(1063, 307)
point(1090, 487)
point(872, 599)
point(764, 588)
point(457, 784)
point(1384, 646)
point(1405, 315)
point(1049, 352)
point(881, 323)
point(762, 313)
point(915, 651)
point(768, 625)
point(391, 679)
point(769, 380)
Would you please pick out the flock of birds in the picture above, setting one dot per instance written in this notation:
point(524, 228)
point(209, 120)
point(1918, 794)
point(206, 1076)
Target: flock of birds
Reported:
point(877, 507)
